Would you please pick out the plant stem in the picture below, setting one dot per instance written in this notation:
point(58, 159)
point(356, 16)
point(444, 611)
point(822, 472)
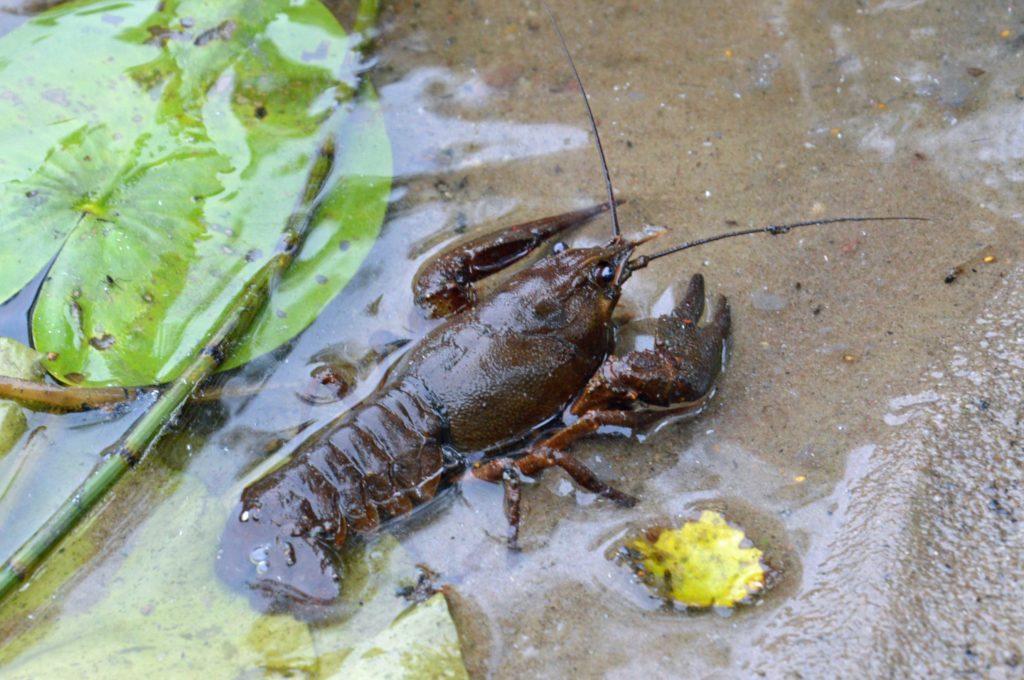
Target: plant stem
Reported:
point(236, 320)
point(42, 396)
point(365, 24)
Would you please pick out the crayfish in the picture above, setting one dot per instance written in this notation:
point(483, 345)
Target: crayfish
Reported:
point(537, 355)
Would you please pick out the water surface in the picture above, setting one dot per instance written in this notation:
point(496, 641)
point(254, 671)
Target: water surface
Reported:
point(867, 430)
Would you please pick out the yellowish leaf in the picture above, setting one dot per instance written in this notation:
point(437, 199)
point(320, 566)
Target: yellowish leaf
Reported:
point(422, 643)
point(22, 362)
point(19, 361)
point(701, 564)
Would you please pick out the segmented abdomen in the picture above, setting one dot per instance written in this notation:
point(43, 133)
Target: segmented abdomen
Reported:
point(377, 461)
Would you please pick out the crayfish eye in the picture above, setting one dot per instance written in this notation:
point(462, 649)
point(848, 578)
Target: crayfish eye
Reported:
point(604, 272)
point(559, 247)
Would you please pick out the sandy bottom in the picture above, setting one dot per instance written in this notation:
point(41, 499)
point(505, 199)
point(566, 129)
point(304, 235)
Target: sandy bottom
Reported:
point(867, 432)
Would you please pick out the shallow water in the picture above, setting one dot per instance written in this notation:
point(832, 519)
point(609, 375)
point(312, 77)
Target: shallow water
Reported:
point(867, 430)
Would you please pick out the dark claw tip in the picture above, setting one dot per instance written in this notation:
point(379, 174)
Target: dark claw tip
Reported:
point(624, 499)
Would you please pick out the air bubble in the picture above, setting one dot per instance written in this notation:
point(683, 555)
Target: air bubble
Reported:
point(259, 554)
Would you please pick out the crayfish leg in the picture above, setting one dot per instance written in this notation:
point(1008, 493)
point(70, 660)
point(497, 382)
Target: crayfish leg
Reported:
point(444, 285)
point(512, 502)
point(552, 452)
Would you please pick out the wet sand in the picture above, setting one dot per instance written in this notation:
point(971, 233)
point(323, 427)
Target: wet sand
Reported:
point(867, 431)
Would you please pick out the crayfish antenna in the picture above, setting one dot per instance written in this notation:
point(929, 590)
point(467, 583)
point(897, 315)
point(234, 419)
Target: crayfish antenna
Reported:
point(771, 230)
point(644, 260)
point(593, 123)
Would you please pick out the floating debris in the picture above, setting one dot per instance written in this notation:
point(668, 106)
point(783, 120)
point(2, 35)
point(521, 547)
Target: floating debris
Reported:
point(702, 564)
point(984, 256)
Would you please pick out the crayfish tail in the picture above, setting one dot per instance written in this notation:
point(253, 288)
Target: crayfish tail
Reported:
point(281, 568)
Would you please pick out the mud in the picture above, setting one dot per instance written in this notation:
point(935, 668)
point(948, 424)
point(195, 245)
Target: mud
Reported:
point(867, 430)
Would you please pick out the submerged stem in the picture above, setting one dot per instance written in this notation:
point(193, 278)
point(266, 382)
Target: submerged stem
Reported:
point(236, 320)
point(38, 395)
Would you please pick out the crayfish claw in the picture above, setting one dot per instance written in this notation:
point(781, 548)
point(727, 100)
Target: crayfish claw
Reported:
point(621, 498)
point(444, 285)
point(691, 308)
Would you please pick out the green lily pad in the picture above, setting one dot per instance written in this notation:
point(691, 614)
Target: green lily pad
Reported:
point(156, 610)
point(151, 156)
point(13, 424)
point(19, 361)
point(421, 643)
point(16, 361)
point(163, 614)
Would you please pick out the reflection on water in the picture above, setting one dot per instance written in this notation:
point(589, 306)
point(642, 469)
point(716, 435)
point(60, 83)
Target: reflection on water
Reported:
point(431, 143)
point(871, 481)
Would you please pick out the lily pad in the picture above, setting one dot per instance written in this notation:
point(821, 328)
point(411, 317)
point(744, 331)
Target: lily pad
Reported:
point(19, 361)
point(153, 608)
point(13, 424)
point(701, 564)
point(162, 614)
point(421, 643)
point(16, 361)
point(151, 156)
